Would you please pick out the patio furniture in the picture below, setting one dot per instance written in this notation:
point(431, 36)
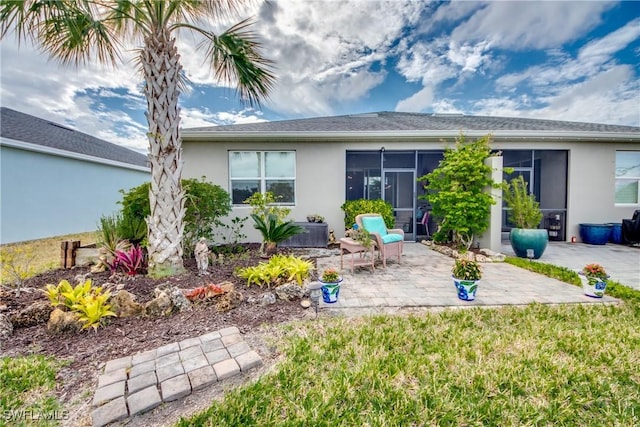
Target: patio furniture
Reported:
point(388, 241)
point(350, 246)
point(631, 229)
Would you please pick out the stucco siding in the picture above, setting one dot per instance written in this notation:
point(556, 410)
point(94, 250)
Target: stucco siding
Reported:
point(319, 177)
point(45, 195)
point(320, 174)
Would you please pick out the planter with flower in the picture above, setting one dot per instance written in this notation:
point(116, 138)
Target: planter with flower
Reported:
point(466, 274)
point(331, 281)
point(594, 280)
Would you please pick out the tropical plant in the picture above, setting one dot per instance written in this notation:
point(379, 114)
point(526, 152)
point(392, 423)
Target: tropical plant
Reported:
point(78, 32)
point(274, 231)
point(362, 236)
point(130, 262)
point(353, 208)
point(524, 211)
point(457, 191)
point(87, 301)
point(278, 270)
point(315, 218)
point(330, 275)
point(465, 269)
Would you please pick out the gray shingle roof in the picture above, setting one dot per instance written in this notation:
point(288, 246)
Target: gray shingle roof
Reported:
point(26, 128)
point(392, 121)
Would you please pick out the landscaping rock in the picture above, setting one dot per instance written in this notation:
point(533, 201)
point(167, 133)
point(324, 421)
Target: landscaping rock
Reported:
point(178, 299)
point(6, 327)
point(35, 314)
point(159, 306)
point(289, 291)
point(265, 299)
point(229, 300)
point(123, 304)
point(63, 321)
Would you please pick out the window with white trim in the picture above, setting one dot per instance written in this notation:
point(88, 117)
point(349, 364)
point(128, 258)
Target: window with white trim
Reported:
point(627, 178)
point(261, 171)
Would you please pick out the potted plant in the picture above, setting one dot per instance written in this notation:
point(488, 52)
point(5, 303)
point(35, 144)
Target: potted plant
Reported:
point(527, 240)
point(331, 281)
point(315, 218)
point(594, 280)
point(466, 274)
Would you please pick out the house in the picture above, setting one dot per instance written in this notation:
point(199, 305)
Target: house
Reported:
point(55, 180)
point(579, 172)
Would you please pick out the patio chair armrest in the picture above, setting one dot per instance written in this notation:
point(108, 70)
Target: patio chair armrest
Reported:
point(396, 231)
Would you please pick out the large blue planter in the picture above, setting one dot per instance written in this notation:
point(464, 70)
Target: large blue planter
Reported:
point(535, 239)
point(616, 233)
point(595, 234)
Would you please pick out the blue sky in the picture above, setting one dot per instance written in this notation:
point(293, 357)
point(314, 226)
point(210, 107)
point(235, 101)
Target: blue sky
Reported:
point(561, 60)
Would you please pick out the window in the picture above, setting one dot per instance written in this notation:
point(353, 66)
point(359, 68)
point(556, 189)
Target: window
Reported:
point(261, 171)
point(627, 177)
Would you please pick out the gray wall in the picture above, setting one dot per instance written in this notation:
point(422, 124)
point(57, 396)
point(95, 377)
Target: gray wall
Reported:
point(44, 195)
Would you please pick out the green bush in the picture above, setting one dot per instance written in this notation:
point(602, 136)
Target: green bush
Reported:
point(205, 203)
point(353, 208)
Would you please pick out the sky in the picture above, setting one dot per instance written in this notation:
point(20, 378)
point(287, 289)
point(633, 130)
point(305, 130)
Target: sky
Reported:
point(559, 60)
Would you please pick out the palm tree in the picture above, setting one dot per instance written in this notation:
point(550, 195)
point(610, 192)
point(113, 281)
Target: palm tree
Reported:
point(81, 31)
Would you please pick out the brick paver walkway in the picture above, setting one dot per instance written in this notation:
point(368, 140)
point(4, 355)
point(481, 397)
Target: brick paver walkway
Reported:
point(135, 384)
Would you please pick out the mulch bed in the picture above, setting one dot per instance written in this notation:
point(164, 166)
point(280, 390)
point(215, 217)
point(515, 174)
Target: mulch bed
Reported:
point(87, 350)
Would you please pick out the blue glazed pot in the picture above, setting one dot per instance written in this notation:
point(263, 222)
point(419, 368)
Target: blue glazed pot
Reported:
point(595, 234)
point(528, 238)
point(330, 291)
point(466, 289)
point(616, 233)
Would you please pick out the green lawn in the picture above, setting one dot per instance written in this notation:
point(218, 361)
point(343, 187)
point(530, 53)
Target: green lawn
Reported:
point(534, 365)
point(27, 397)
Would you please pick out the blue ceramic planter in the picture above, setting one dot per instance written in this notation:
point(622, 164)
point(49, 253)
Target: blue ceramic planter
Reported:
point(522, 239)
point(330, 291)
point(466, 289)
point(595, 234)
point(616, 233)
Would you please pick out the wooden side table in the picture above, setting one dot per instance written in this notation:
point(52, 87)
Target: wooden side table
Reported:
point(352, 247)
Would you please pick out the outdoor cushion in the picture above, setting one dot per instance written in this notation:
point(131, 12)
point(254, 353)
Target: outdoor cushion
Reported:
point(374, 224)
point(390, 238)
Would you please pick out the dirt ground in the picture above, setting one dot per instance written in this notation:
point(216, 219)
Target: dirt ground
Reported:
point(87, 351)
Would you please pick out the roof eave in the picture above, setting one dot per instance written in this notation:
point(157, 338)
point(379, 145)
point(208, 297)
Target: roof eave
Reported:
point(203, 136)
point(28, 146)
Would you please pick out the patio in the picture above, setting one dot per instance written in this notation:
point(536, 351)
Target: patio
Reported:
point(423, 279)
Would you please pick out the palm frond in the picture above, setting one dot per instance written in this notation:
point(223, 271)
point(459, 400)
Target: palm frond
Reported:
point(236, 60)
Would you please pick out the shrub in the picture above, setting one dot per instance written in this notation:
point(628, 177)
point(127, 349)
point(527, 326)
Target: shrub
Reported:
point(263, 205)
point(353, 208)
point(16, 263)
point(457, 191)
point(278, 270)
point(205, 204)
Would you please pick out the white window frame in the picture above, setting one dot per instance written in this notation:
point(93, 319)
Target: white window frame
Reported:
point(263, 178)
point(635, 177)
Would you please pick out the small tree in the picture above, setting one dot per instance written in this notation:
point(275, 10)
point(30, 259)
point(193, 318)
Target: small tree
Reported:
point(524, 211)
point(457, 192)
point(205, 204)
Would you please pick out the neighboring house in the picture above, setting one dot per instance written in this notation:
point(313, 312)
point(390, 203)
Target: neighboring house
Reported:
point(55, 180)
point(580, 172)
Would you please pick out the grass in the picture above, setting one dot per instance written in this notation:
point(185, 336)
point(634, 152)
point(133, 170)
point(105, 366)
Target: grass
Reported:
point(27, 391)
point(35, 256)
point(537, 365)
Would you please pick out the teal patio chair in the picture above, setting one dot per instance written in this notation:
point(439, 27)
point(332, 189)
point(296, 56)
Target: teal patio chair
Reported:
point(388, 241)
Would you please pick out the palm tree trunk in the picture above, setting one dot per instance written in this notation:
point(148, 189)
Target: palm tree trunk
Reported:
point(161, 67)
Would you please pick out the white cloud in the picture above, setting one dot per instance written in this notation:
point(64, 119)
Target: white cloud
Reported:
point(417, 102)
point(196, 117)
point(521, 25)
